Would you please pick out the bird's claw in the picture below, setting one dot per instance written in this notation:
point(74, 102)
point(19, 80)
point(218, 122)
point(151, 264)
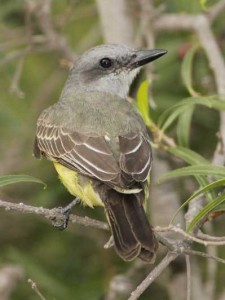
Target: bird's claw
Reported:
point(61, 223)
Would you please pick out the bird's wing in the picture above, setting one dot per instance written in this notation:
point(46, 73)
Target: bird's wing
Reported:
point(92, 156)
point(135, 156)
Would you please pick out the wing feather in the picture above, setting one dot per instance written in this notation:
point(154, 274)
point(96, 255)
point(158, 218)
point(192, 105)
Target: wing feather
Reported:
point(91, 155)
point(136, 156)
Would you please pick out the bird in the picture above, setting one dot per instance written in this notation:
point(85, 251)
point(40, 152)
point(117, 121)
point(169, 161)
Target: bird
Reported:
point(100, 146)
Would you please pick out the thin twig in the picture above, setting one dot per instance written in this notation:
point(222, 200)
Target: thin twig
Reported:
point(205, 255)
point(168, 243)
point(54, 40)
point(208, 237)
point(15, 84)
point(35, 288)
point(12, 43)
point(189, 236)
point(188, 267)
point(159, 136)
point(211, 271)
point(216, 10)
point(153, 275)
point(212, 50)
point(211, 266)
point(86, 221)
point(147, 12)
point(14, 55)
point(53, 213)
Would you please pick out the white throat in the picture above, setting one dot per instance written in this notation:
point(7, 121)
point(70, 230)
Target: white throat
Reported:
point(116, 84)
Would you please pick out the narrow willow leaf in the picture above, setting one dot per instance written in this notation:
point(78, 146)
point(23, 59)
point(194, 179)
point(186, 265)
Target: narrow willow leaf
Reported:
point(189, 156)
point(220, 207)
point(203, 181)
point(217, 102)
point(209, 207)
point(171, 114)
point(186, 70)
point(183, 103)
point(206, 188)
point(10, 179)
point(184, 126)
point(142, 101)
point(206, 170)
point(193, 158)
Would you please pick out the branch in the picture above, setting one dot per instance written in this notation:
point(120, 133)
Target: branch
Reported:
point(153, 275)
point(86, 221)
point(9, 277)
point(216, 10)
point(14, 55)
point(202, 27)
point(207, 237)
point(188, 267)
point(205, 255)
point(117, 25)
point(53, 213)
point(36, 289)
point(42, 10)
point(190, 237)
point(176, 248)
point(15, 84)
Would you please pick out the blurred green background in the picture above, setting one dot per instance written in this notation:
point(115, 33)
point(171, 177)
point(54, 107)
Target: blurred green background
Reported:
point(73, 264)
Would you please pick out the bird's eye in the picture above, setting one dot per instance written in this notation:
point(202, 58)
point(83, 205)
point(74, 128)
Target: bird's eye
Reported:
point(106, 62)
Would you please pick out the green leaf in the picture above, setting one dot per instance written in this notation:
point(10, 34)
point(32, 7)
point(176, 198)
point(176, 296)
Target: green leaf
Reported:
point(142, 101)
point(10, 179)
point(206, 170)
point(186, 69)
point(184, 126)
point(193, 158)
point(209, 207)
point(206, 188)
point(204, 5)
point(203, 181)
point(188, 155)
point(172, 113)
point(220, 207)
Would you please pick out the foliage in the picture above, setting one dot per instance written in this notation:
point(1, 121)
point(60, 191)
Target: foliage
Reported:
point(11, 179)
point(201, 169)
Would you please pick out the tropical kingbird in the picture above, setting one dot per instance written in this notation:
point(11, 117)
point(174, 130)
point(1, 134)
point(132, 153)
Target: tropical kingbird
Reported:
point(99, 144)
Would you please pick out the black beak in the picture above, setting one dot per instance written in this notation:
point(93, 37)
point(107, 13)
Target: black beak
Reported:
point(142, 57)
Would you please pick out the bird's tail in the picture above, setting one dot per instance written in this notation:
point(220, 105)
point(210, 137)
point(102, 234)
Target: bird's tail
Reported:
point(132, 233)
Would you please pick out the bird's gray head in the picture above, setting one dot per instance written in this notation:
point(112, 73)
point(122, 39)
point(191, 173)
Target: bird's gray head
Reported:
point(109, 68)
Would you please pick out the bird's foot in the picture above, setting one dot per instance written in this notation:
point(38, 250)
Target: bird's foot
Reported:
point(62, 222)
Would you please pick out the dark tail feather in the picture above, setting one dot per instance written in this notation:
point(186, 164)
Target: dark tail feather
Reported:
point(132, 233)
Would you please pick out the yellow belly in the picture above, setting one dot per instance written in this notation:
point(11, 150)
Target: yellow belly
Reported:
point(76, 187)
